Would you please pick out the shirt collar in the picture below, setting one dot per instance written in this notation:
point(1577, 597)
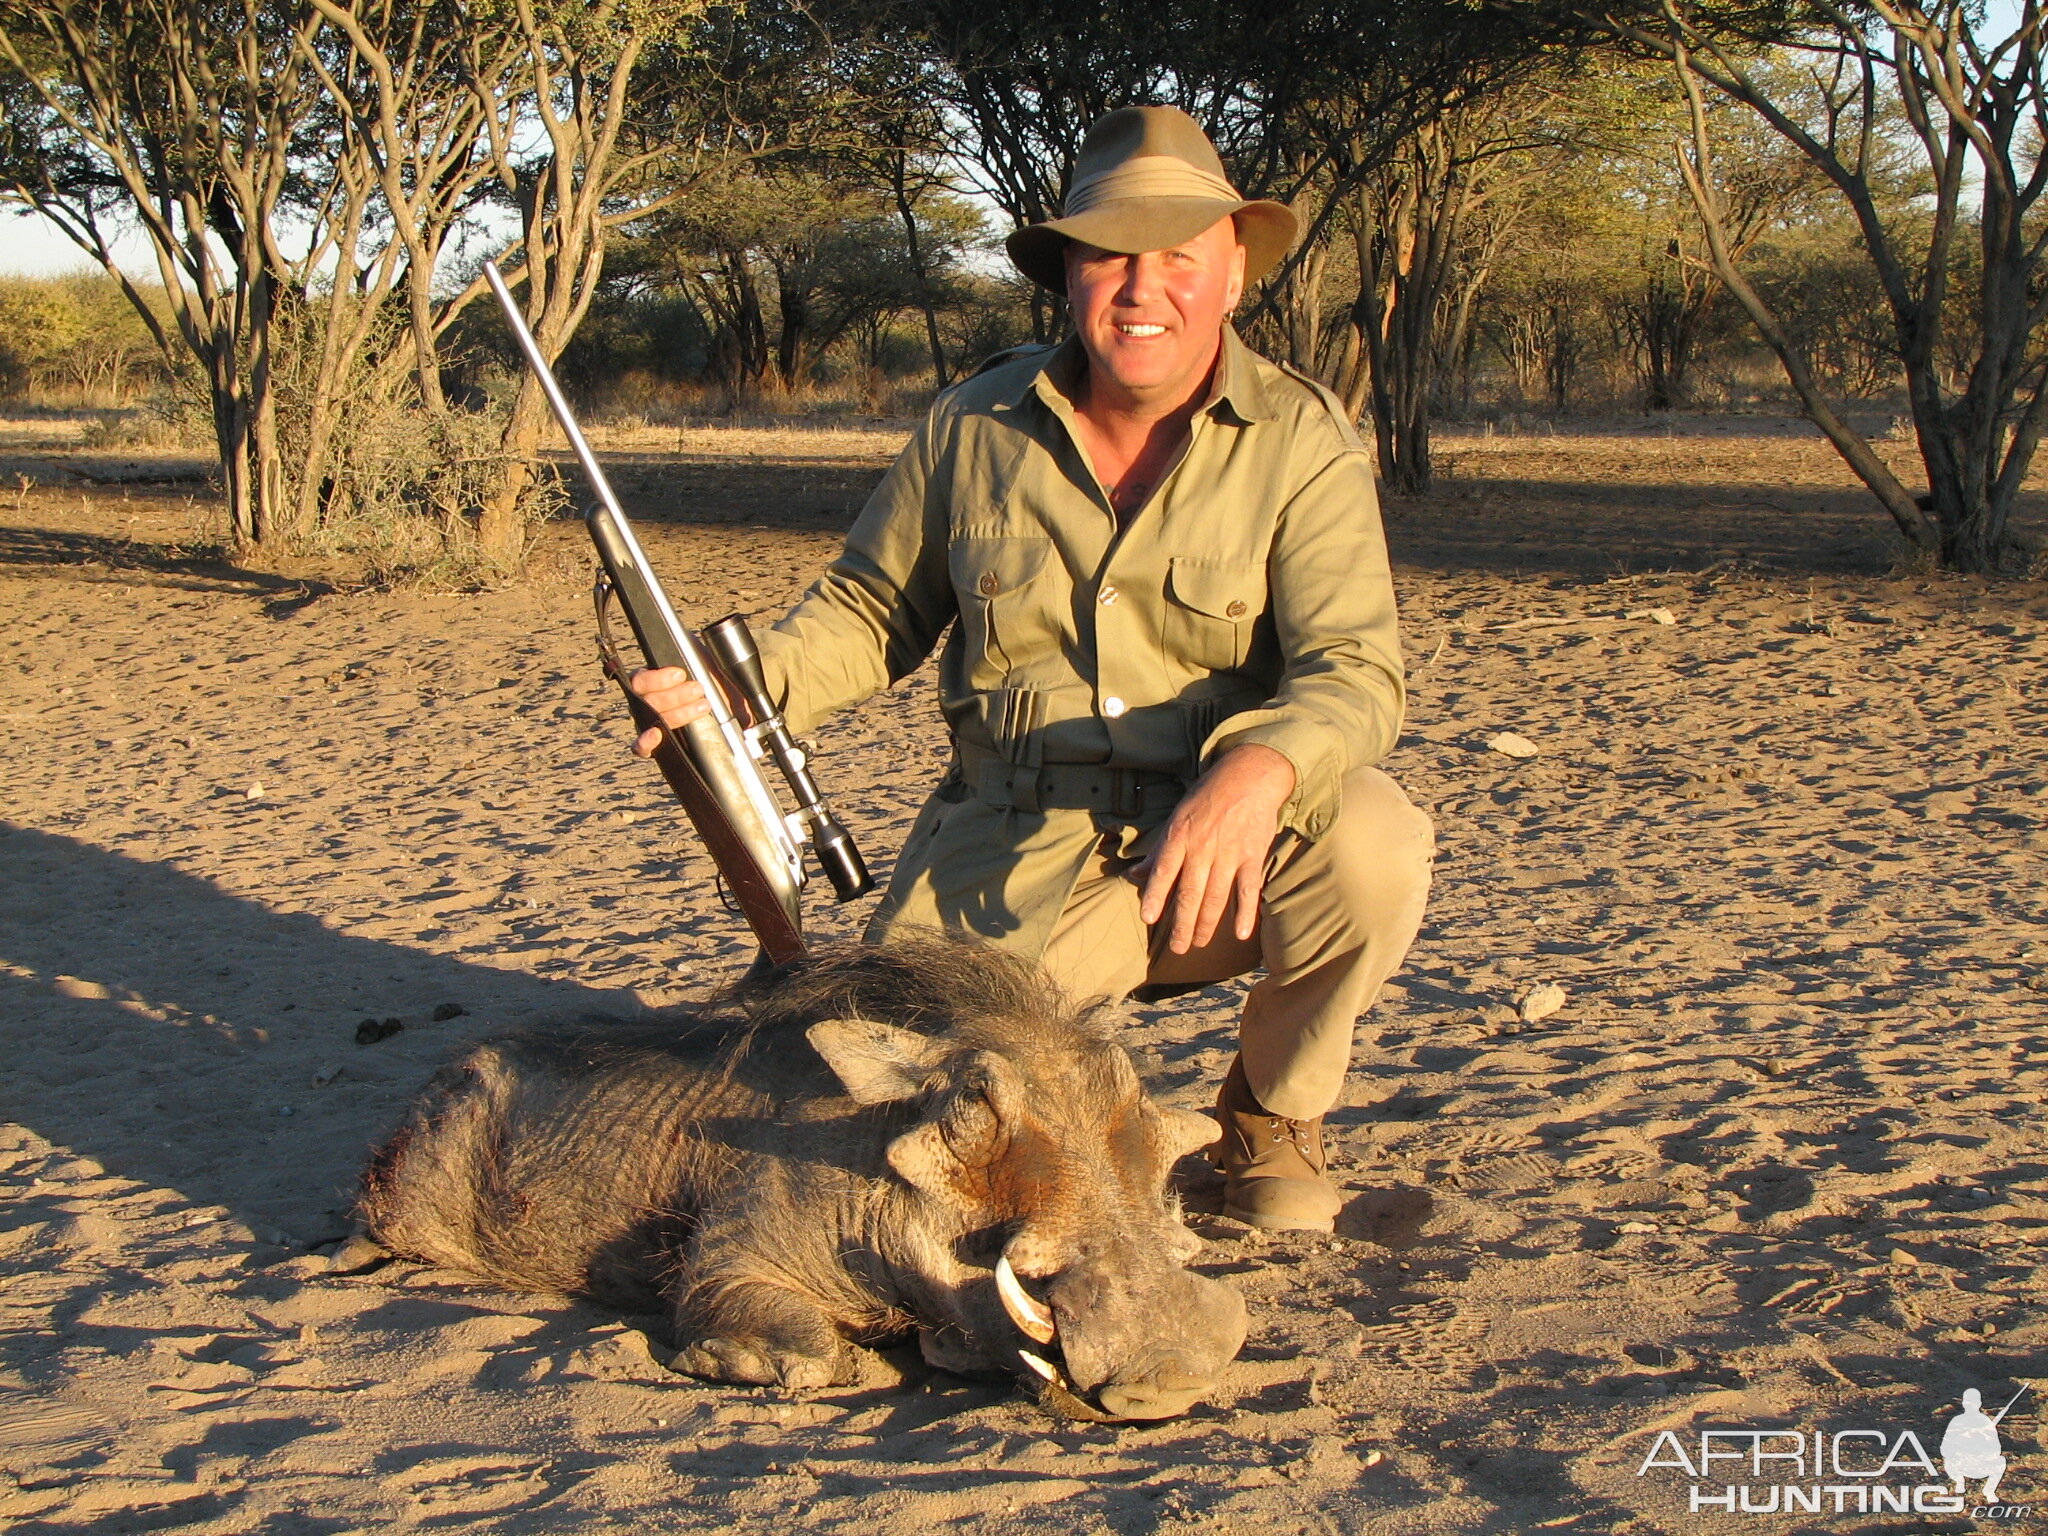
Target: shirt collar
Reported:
point(1236, 384)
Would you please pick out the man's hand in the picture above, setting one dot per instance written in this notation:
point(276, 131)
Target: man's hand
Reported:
point(674, 695)
point(1216, 845)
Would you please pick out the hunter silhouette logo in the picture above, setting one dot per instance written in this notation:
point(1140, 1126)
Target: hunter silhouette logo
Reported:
point(1970, 1447)
point(1861, 1471)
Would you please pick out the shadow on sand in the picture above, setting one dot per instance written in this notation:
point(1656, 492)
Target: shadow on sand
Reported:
point(192, 1039)
point(146, 562)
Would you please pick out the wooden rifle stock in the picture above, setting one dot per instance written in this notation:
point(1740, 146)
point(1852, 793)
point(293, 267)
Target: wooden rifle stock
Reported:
point(757, 897)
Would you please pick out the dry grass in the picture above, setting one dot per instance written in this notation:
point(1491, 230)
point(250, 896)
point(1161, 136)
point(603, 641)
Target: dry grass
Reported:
point(749, 442)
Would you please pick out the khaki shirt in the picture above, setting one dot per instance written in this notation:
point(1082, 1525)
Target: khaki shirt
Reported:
point(1248, 600)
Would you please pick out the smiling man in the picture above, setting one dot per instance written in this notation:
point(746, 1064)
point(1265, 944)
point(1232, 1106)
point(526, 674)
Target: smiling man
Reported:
point(1173, 658)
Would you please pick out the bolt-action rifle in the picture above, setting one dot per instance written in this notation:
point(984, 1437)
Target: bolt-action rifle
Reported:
point(715, 765)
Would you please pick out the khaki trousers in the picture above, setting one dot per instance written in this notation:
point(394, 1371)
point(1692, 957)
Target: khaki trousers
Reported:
point(1335, 919)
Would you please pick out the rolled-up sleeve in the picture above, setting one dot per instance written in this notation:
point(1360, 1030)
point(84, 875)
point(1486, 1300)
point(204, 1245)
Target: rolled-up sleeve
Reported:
point(878, 610)
point(1339, 703)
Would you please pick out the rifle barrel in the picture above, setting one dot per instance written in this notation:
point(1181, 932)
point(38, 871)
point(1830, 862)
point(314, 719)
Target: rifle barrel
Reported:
point(585, 459)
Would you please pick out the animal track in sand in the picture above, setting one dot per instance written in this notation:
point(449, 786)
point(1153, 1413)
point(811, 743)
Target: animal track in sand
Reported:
point(1428, 1338)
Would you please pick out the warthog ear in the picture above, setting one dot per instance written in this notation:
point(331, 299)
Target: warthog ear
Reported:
point(1189, 1130)
point(878, 1063)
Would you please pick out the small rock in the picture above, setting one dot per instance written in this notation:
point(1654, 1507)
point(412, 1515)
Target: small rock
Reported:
point(1372, 1458)
point(446, 1011)
point(370, 1031)
point(327, 1075)
point(1906, 1260)
point(1654, 615)
point(1508, 744)
point(285, 1110)
point(254, 791)
point(1636, 1228)
point(1540, 1002)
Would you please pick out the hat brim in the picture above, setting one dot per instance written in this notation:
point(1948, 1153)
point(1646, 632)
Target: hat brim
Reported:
point(1133, 224)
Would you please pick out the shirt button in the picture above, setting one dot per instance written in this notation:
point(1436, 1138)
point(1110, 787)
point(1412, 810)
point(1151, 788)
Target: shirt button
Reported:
point(1106, 596)
point(1114, 706)
point(988, 586)
point(1235, 610)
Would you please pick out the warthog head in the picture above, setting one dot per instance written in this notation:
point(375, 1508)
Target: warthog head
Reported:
point(1033, 1174)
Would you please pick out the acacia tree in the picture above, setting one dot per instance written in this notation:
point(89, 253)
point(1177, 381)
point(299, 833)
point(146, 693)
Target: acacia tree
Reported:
point(1973, 106)
point(309, 166)
point(1303, 100)
point(1427, 228)
point(1669, 294)
point(411, 86)
point(187, 120)
point(623, 108)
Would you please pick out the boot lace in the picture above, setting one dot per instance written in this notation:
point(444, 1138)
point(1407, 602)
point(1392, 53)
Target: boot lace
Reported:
point(1294, 1131)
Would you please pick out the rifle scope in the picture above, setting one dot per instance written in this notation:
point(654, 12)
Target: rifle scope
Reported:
point(731, 644)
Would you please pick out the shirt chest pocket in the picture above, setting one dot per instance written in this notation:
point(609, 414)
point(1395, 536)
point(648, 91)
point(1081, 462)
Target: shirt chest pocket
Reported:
point(1004, 590)
point(1211, 611)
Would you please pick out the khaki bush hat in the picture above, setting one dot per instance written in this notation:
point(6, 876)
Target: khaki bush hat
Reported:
point(1147, 179)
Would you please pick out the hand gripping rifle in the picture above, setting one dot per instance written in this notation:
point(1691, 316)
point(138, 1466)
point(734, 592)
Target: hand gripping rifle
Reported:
point(716, 764)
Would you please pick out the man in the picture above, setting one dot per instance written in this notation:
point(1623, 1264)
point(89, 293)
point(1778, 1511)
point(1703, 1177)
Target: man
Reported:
point(1173, 655)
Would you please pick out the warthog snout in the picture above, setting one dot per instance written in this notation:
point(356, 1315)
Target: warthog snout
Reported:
point(1131, 1332)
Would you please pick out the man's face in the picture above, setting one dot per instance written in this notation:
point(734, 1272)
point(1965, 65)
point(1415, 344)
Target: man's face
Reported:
point(1151, 322)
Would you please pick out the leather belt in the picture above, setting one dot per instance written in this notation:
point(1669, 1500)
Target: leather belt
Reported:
point(1126, 793)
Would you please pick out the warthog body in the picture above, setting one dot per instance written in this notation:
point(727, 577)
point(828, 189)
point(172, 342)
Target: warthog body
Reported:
point(855, 1151)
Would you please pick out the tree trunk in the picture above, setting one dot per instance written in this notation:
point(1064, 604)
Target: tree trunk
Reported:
point(500, 532)
point(792, 343)
point(927, 301)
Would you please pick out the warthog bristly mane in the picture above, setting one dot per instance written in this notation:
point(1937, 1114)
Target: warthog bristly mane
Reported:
point(966, 991)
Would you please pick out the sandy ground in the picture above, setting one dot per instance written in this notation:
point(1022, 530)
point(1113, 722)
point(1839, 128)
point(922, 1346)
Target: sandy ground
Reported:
point(1777, 1164)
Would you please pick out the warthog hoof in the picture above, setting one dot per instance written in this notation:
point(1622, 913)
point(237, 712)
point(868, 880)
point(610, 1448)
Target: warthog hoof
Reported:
point(750, 1363)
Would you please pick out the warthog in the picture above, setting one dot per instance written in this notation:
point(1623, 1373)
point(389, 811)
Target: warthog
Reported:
point(877, 1141)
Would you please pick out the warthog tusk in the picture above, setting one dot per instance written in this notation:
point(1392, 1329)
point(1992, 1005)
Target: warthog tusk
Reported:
point(1044, 1368)
point(1025, 1310)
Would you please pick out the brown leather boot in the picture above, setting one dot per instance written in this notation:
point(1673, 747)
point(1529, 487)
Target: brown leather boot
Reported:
point(1272, 1166)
